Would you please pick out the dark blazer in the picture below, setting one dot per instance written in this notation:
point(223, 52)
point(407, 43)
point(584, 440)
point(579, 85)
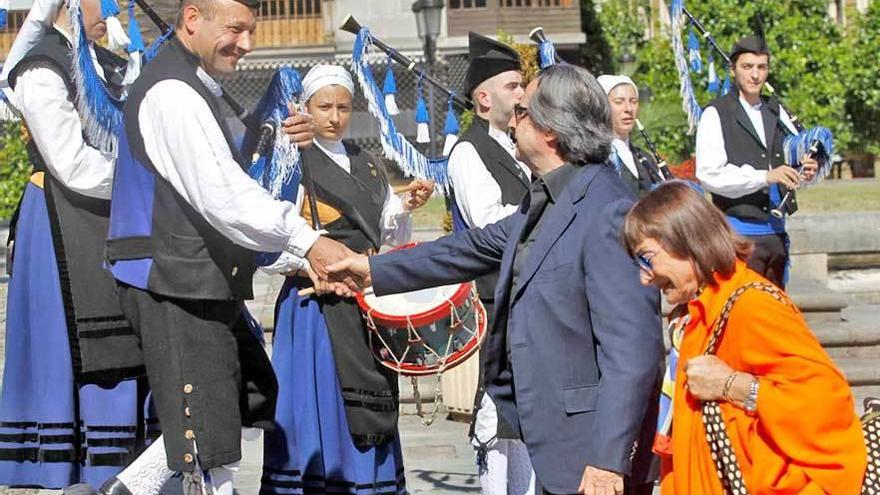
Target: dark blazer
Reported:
point(583, 336)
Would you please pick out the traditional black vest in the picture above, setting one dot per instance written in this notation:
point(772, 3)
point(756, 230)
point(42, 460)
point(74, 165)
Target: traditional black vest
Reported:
point(103, 346)
point(514, 183)
point(357, 197)
point(157, 241)
point(743, 146)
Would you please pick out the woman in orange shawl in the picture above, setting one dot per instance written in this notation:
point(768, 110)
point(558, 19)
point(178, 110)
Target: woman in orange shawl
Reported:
point(787, 409)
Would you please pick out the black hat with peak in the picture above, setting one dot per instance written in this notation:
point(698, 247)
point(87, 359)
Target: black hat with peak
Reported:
point(488, 58)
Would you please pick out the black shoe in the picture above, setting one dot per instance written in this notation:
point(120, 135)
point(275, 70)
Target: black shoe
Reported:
point(114, 487)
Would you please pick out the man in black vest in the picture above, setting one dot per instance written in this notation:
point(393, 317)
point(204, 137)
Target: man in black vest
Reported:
point(636, 167)
point(488, 184)
point(740, 158)
point(185, 222)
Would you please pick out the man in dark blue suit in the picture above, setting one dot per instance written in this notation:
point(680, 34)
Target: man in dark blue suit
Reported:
point(573, 355)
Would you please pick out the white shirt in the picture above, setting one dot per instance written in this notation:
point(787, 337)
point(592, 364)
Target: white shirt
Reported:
point(56, 128)
point(477, 195)
point(396, 221)
point(187, 148)
point(625, 154)
point(715, 173)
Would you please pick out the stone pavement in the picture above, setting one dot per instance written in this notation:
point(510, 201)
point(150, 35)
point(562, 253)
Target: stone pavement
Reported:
point(438, 459)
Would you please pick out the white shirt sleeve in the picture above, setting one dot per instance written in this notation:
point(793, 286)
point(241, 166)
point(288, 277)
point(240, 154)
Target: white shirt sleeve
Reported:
point(188, 149)
point(396, 222)
point(56, 129)
point(477, 194)
point(716, 175)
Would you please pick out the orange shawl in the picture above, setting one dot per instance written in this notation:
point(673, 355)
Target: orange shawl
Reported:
point(804, 437)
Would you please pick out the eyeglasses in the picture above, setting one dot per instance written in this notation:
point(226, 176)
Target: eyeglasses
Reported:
point(644, 261)
point(520, 112)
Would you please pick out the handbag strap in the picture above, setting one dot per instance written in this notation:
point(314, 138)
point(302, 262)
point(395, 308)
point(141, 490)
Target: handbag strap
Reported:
point(726, 463)
point(721, 322)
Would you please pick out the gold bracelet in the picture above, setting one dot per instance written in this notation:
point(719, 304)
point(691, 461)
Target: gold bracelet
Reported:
point(726, 391)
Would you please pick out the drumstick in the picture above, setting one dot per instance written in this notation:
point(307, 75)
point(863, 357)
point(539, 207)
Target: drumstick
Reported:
point(310, 291)
point(412, 186)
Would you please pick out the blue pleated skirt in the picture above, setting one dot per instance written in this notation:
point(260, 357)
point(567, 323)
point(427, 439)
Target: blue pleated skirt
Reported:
point(52, 434)
point(311, 450)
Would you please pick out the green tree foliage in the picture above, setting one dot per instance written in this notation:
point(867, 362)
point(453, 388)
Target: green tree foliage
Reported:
point(15, 168)
point(596, 54)
point(809, 54)
point(863, 85)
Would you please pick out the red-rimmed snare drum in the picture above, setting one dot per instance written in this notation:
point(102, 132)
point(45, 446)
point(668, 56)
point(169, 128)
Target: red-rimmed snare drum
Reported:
point(424, 332)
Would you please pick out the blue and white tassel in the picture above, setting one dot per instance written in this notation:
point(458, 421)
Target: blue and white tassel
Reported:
point(115, 32)
point(390, 89)
point(135, 47)
point(694, 51)
point(547, 54)
point(451, 128)
point(714, 84)
point(395, 146)
point(725, 88)
point(689, 100)
point(100, 111)
point(4, 12)
point(423, 118)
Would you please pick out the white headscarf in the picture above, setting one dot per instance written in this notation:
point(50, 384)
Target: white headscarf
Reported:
point(609, 82)
point(38, 21)
point(326, 75)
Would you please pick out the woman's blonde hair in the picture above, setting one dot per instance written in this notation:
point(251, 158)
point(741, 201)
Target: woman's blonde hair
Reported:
point(688, 227)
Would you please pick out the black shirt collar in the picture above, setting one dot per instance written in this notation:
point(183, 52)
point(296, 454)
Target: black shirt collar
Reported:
point(556, 180)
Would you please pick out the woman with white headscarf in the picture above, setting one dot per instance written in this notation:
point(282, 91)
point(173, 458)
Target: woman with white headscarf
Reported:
point(337, 407)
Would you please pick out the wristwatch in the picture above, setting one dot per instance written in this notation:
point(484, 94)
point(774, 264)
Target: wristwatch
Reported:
point(751, 402)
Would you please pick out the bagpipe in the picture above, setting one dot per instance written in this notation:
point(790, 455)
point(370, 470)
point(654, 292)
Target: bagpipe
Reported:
point(816, 142)
point(383, 106)
point(548, 56)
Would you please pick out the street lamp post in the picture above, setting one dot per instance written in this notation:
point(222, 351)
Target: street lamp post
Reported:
point(429, 17)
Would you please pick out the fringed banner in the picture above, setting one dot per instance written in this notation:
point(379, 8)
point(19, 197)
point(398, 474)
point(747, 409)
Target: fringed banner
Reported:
point(101, 112)
point(817, 141)
point(689, 100)
point(394, 145)
point(278, 168)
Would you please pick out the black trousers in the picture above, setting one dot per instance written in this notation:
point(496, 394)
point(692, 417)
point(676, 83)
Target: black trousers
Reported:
point(208, 374)
point(770, 257)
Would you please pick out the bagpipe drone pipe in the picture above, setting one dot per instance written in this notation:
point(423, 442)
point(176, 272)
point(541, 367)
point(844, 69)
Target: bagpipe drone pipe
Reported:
point(548, 56)
point(816, 142)
point(382, 104)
